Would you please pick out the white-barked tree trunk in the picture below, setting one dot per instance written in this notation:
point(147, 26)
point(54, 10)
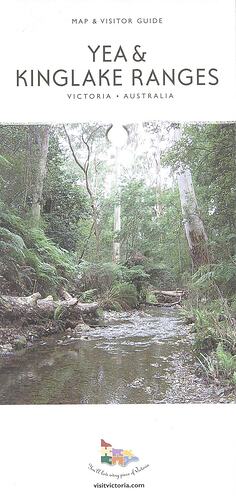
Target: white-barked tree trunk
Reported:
point(193, 224)
point(117, 211)
point(42, 136)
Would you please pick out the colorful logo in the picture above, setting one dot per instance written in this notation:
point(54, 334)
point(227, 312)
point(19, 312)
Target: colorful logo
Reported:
point(116, 456)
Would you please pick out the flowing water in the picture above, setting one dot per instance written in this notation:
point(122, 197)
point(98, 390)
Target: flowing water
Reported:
point(138, 357)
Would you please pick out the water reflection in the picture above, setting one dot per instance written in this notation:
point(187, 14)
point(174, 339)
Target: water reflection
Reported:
point(127, 362)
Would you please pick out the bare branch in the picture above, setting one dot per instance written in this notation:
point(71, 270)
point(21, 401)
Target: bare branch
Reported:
point(72, 151)
point(88, 153)
point(89, 146)
point(94, 132)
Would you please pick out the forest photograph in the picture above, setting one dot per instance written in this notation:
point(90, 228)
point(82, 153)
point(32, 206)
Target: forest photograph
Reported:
point(117, 263)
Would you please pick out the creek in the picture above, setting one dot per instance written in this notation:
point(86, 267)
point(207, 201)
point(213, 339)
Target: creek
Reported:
point(141, 356)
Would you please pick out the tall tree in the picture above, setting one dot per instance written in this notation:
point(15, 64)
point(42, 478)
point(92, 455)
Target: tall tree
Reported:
point(194, 228)
point(157, 159)
point(41, 133)
point(193, 224)
point(88, 137)
point(117, 212)
point(117, 134)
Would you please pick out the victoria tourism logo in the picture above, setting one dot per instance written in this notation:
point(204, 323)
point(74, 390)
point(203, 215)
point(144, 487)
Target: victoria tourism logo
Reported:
point(113, 463)
point(116, 456)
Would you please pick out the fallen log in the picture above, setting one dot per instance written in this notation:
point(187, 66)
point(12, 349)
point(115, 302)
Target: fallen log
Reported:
point(34, 308)
point(169, 293)
point(162, 304)
point(172, 297)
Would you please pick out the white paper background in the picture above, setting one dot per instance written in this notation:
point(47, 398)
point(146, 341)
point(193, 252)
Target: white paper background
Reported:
point(40, 35)
point(45, 450)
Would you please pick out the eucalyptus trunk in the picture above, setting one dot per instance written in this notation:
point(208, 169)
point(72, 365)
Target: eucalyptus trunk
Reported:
point(42, 139)
point(117, 228)
point(193, 224)
point(157, 158)
point(117, 212)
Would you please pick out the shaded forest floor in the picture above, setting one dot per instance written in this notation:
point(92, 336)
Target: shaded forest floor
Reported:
point(189, 384)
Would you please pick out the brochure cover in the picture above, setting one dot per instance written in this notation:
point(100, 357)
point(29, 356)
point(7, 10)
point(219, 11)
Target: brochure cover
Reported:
point(118, 249)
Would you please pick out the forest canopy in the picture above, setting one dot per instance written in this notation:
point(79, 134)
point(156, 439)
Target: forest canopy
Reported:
point(114, 214)
point(62, 186)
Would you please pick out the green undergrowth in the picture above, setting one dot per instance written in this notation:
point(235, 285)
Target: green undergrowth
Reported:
point(214, 329)
point(29, 261)
point(115, 286)
point(211, 309)
point(122, 296)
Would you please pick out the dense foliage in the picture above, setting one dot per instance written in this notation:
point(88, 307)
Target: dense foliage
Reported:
point(71, 245)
